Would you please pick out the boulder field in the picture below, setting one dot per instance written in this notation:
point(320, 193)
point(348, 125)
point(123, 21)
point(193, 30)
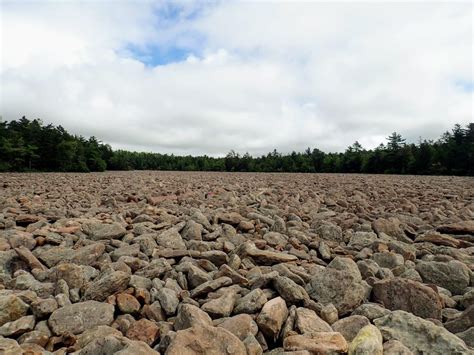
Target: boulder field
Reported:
point(236, 263)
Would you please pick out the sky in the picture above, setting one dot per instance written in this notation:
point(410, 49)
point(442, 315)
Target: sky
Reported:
point(206, 77)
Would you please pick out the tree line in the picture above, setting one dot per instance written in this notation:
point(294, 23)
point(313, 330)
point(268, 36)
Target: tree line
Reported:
point(30, 145)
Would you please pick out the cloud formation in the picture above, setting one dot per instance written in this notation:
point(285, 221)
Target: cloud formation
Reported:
point(189, 78)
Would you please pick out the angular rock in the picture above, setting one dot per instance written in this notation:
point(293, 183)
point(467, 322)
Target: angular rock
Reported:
point(367, 342)
point(464, 227)
point(191, 316)
point(11, 308)
point(264, 257)
point(18, 327)
point(78, 317)
point(453, 275)
point(330, 232)
point(307, 321)
point(168, 299)
point(107, 285)
point(241, 325)
point(143, 330)
point(271, 318)
point(9, 347)
point(419, 335)
point(204, 340)
point(316, 343)
point(395, 347)
point(252, 302)
point(43, 308)
point(461, 323)
point(408, 295)
point(171, 239)
point(350, 326)
point(127, 303)
point(99, 231)
point(289, 290)
point(222, 306)
point(209, 286)
point(339, 287)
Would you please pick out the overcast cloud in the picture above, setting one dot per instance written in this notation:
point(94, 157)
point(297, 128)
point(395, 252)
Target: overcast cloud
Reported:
point(204, 78)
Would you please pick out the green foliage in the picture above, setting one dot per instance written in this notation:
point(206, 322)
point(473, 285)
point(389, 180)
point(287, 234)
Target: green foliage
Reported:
point(32, 146)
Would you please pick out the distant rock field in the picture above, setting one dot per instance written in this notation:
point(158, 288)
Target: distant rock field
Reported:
point(236, 263)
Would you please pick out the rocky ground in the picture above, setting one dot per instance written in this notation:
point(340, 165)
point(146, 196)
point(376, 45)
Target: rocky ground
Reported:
point(214, 263)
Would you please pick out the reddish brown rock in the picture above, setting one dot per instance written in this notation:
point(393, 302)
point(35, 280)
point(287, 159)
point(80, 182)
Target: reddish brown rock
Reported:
point(127, 303)
point(143, 330)
point(408, 295)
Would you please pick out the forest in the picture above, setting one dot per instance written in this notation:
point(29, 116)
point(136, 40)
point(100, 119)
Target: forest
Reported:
point(31, 145)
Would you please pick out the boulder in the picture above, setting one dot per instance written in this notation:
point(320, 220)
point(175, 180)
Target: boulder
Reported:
point(316, 343)
point(11, 308)
point(206, 340)
point(368, 341)
point(408, 295)
point(78, 317)
point(419, 335)
point(452, 275)
point(99, 231)
point(272, 317)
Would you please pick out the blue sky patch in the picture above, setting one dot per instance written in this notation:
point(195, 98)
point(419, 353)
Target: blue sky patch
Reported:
point(154, 56)
point(466, 85)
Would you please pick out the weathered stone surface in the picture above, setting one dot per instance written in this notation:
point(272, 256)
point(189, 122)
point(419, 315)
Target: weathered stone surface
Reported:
point(350, 326)
point(408, 295)
point(171, 239)
point(252, 302)
point(127, 303)
point(78, 317)
point(43, 308)
point(143, 330)
point(265, 257)
point(390, 226)
point(371, 311)
point(419, 335)
point(467, 336)
point(91, 334)
point(461, 323)
point(18, 327)
point(98, 231)
point(395, 347)
point(271, 317)
point(222, 306)
point(9, 347)
point(289, 290)
point(241, 325)
point(212, 285)
point(11, 308)
point(368, 341)
point(106, 285)
point(203, 340)
point(343, 288)
point(307, 321)
point(190, 316)
point(464, 227)
point(453, 275)
point(316, 343)
point(329, 231)
point(168, 299)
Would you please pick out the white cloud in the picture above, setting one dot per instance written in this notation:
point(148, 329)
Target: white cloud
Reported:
point(258, 75)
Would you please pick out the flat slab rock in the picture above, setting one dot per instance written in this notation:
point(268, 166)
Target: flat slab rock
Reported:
point(78, 317)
